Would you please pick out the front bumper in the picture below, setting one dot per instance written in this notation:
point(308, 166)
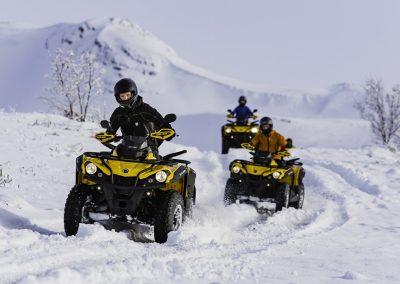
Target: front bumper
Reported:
point(235, 139)
point(257, 187)
point(124, 196)
point(123, 200)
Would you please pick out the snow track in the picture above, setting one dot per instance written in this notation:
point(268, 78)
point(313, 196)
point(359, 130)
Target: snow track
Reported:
point(350, 207)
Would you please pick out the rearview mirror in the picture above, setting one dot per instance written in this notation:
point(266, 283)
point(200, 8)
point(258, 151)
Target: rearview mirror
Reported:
point(169, 118)
point(105, 124)
point(255, 110)
point(229, 110)
point(289, 143)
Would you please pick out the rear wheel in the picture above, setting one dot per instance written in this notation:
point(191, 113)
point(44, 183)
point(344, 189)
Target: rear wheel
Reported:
point(73, 209)
point(298, 204)
point(282, 197)
point(169, 215)
point(231, 190)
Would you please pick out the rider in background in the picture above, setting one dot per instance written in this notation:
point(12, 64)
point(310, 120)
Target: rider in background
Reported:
point(267, 140)
point(242, 113)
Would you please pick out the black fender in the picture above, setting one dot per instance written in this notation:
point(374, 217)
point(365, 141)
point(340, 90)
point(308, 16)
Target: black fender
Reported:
point(179, 174)
point(190, 185)
point(78, 168)
point(79, 163)
point(302, 173)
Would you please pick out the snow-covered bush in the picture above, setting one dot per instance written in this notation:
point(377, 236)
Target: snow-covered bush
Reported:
point(382, 110)
point(76, 80)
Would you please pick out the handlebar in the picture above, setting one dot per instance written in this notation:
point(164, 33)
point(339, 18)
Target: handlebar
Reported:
point(169, 156)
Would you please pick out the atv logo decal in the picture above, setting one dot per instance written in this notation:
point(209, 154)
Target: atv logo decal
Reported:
point(125, 171)
point(163, 134)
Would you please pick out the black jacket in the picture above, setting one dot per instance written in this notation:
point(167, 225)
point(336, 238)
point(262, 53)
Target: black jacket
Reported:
point(140, 120)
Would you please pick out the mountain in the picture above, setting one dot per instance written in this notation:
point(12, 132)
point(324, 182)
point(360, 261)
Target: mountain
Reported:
point(165, 80)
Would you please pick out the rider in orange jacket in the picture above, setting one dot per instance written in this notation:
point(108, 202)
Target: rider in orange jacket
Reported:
point(267, 139)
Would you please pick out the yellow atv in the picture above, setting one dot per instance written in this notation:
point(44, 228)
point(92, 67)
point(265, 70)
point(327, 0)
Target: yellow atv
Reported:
point(269, 182)
point(130, 189)
point(234, 133)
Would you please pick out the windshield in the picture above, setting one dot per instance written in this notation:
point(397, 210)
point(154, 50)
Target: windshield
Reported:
point(135, 142)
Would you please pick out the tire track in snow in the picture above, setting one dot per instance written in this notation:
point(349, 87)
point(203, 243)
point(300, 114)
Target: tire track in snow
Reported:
point(250, 236)
point(352, 177)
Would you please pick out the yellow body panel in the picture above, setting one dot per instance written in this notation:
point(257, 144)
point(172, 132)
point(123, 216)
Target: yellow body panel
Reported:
point(258, 170)
point(177, 186)
point(241, 128)
point(296, 170)
point(245, 128)
point(130, 169)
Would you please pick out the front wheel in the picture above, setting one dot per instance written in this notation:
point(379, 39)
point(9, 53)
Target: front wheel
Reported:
point(73, 209)
point(231, 190)
point(298, 204)
point(282, 197)
point(169, 215)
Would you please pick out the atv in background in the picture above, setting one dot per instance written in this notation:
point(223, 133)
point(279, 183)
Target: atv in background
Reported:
point(130, 189)
point(234, 133)
point(269, 182)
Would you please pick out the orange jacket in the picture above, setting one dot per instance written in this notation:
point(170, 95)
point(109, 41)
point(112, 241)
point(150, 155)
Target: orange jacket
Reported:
point(272, 143)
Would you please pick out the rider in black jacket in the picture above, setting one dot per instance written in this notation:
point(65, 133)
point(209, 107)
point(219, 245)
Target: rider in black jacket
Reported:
point(133, 116)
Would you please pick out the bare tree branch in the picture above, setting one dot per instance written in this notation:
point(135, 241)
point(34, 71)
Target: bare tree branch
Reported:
point(381, 109)
point(76, 79)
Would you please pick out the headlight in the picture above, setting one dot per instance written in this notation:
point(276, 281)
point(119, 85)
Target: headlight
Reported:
point(254, 130)
point(161, 176)
point(276, 175)
point(91, 168)
point(236, 169)
point(228, 130)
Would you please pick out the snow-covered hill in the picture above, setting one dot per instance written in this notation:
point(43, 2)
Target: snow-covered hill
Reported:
point(164, 78)
point(348, 229)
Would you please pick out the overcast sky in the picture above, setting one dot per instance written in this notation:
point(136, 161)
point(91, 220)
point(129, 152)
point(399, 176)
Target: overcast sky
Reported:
point(309, 43)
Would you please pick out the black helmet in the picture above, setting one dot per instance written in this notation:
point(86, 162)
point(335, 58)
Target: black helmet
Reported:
point(266, 120)
point(123, 86)
point(242, 99)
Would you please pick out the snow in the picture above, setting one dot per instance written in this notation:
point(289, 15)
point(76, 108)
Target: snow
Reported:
point(348, 229)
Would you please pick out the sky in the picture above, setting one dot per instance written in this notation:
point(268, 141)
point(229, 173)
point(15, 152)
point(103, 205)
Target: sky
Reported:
point(285, 43)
